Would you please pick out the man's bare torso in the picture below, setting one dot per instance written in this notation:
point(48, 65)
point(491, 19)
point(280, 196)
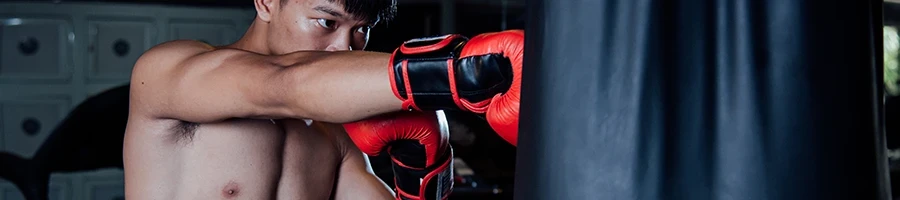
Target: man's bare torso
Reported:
point(230, 159)
point(235, 152)
point(233, 159)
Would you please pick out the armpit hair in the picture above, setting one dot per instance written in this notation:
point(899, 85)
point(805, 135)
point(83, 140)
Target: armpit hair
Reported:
point(184, 131)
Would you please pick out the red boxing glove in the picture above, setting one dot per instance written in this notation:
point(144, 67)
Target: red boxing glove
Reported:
point(503, 110)
point(421, 154)
point(481, 75)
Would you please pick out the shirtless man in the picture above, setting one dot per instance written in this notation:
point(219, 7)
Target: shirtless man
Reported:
point(223, 122)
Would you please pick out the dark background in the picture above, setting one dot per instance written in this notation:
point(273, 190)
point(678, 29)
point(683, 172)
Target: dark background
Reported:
point(892, 109)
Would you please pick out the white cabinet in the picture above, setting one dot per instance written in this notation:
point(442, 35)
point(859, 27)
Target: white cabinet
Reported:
point(34, 49)
point(215, 33)
point(54, 55)
point(59, 189)
point(27, 121)
point(95, 89)
point(114, 46)
point(102, 185)
point(107, 191)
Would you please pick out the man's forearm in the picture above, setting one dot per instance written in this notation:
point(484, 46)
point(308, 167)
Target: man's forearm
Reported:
point(339, 87)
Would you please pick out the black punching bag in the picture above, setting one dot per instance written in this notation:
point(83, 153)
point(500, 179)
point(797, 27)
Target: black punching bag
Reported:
point(702, 99)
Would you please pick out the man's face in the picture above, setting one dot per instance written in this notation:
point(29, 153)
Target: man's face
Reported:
point(316, 25)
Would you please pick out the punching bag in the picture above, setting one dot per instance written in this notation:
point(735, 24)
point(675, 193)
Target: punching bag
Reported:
point(702, 99)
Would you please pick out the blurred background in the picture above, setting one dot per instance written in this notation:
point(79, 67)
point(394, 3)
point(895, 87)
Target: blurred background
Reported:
point(74, 58)
point(892, 91)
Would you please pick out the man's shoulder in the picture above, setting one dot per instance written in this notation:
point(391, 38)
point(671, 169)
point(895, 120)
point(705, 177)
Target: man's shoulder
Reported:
point(158, 66)
point(183, 45)
point(160, 60)
point(173, 50)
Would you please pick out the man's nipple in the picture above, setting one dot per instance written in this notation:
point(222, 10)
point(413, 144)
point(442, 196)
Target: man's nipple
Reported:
point(231, 190)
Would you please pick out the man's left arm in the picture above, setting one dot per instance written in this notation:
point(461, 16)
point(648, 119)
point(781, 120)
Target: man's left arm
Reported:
point(356, 180)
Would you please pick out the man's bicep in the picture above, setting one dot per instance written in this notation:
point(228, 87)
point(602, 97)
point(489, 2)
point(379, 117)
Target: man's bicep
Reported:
point(189, 81)
point(357, 181)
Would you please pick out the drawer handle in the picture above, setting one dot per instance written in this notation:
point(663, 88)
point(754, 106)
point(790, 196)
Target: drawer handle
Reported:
point(121, 47)
point(28, 46)
point(31, 126)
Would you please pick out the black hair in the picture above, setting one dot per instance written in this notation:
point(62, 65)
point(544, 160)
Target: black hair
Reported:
point(369, 10)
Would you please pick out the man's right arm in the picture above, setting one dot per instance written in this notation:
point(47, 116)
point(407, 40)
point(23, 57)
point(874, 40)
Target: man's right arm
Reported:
point(194, 82)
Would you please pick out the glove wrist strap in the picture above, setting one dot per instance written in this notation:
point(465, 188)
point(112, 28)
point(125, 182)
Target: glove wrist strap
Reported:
point(422, 72)
point(432, 183)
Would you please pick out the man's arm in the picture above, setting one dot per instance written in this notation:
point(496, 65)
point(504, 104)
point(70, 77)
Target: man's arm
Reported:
point(356, 180)
point(195, 82)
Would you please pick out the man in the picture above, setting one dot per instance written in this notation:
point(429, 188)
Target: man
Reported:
point(201, 122)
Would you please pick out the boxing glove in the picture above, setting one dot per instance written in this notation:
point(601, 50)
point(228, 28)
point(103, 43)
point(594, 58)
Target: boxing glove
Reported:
point(481, 75)
point(421, 154)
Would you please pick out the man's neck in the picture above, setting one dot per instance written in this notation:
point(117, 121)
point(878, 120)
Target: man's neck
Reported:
point(254, 40)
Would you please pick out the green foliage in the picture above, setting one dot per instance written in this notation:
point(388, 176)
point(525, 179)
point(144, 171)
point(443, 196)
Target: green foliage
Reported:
point(891, 71)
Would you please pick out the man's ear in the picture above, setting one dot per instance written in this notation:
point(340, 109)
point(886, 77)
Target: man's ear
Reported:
point(264, 8)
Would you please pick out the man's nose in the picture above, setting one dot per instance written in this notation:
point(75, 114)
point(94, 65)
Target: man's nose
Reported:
point(341, 43)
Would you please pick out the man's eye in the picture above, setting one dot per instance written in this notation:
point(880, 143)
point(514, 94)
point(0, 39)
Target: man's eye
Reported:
point(328, 24)
point(363, 29)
